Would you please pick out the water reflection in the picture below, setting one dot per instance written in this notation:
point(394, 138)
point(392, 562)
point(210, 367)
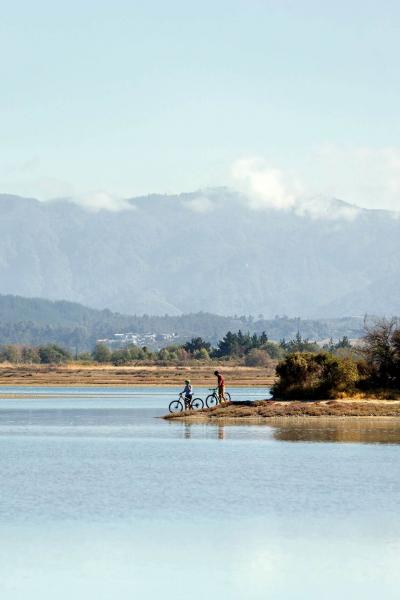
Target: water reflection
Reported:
point(354, 430)
point(385, 430)
point(190, 429)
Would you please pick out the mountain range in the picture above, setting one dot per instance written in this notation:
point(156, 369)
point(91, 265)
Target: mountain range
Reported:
point(213, 250)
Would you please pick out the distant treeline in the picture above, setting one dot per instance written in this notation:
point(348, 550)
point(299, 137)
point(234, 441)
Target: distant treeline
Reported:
point(35, 322)
point(242, 348)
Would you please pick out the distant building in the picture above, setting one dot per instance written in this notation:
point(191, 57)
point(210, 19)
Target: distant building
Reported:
point(151, 340)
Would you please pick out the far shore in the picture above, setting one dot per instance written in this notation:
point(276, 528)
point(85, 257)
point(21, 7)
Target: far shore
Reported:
point(79, 375)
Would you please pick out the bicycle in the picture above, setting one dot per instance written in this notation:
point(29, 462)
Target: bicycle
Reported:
point(184, 404)
point(213, 399)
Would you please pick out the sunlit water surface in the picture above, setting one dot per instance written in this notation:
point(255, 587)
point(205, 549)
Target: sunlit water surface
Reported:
point(100, 499)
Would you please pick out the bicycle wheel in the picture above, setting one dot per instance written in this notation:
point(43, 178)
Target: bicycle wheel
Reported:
point(211, 401)
point(197, 404)
point(175, 406)
point(227, 396)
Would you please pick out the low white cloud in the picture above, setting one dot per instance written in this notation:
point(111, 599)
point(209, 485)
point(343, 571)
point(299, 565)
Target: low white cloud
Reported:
point(366, 176)
point(99, 200)
point(320, 207)
point(200, 204)
point(265, 186)
point(360, 176)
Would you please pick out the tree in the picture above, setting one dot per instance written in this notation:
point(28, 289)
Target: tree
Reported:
point(120, 357)
point(53, 354)
point(101, 353)
point(202, 354)
point(256, 357)
point(382, 351)
point(299, 344)
point(30, 355)
point(10, 354)
point(274, 350)
point(195, 344)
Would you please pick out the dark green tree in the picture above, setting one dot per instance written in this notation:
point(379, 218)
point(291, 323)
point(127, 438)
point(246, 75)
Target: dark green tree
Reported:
point(101, 353)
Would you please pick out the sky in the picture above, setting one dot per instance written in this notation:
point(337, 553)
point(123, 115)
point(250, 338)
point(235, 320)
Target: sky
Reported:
point(280, 98)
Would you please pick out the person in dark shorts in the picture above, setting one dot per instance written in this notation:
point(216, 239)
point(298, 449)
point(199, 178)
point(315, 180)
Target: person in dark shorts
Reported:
point(221, 386)
point(187, 393)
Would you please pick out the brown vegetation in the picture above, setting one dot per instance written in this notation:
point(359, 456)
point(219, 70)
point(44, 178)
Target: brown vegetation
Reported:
point(81, 375)
point(268, 409)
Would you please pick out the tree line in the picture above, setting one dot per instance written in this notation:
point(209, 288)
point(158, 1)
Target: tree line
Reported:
point(36, 322)
point(246, 348)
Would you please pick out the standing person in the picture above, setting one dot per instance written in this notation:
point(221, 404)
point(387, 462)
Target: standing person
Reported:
point(221, 386)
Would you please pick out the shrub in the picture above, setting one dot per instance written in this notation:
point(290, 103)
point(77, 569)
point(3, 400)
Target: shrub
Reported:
point(256, 357)
point(101, 353)
point(53, 354)
point(120, 357)
point(314, 375)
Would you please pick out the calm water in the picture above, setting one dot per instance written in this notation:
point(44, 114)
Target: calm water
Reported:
point(100, 499)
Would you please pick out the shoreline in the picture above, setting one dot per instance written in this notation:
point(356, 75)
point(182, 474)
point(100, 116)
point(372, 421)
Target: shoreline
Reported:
point(269, 410)
point(75, 375)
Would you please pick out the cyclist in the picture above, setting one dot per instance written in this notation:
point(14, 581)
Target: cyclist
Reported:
point(187, 393)
point(221, 386)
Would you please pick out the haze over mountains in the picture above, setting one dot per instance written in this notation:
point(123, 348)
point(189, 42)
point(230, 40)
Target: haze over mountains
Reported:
point(213, 250)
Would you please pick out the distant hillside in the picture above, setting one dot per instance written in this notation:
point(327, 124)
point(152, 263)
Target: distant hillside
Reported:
point(206, 251)
point(35, 321)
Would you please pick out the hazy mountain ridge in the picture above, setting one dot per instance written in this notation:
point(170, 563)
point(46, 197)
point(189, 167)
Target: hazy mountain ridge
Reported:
point(205, 251)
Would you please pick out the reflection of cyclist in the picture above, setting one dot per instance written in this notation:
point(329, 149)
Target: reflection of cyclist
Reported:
point(187, 393)
point(221, 386)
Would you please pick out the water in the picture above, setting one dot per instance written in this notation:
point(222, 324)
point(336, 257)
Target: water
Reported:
point(100, 499)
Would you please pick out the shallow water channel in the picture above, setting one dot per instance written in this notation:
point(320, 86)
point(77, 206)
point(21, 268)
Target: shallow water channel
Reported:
point(100, 499)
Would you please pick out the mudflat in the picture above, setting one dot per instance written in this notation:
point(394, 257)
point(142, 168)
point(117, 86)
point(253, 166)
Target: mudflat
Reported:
point(103, 375)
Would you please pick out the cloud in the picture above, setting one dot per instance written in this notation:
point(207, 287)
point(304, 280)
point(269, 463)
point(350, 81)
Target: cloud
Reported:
point(361, 176)
point(99, 200)
point(200, 205)
point(366, 176)
point(265, 186)
point(320, 207)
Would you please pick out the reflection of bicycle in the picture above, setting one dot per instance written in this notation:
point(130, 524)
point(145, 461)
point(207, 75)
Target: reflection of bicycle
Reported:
point(185, 404)
point(213, 399)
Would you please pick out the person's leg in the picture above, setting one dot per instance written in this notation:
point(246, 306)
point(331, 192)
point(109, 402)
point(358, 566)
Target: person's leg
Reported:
point(221, 394)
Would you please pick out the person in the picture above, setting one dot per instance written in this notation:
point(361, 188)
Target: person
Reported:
point(221, 386)
point(187, 393)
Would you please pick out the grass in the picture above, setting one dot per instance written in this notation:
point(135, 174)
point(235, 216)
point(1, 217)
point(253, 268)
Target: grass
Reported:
point(268, 409)
point(86, 375)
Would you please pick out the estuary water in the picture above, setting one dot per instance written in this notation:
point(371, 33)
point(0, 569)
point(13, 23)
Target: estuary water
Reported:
point(100, 498)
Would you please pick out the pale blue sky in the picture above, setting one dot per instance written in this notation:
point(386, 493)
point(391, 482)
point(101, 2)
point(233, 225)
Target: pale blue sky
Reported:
point(137, 97)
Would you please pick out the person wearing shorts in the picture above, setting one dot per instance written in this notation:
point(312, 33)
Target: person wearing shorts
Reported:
point(187, 393)
point(221, 386)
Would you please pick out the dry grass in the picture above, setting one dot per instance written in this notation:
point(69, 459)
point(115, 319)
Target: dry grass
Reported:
point(87, 375)
point(268, 409)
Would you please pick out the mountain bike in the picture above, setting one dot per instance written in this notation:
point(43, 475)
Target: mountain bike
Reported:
point(213, 399)
point(184, 404)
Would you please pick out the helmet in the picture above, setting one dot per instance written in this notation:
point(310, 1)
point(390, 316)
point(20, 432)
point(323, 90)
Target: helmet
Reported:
point(187, 380)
